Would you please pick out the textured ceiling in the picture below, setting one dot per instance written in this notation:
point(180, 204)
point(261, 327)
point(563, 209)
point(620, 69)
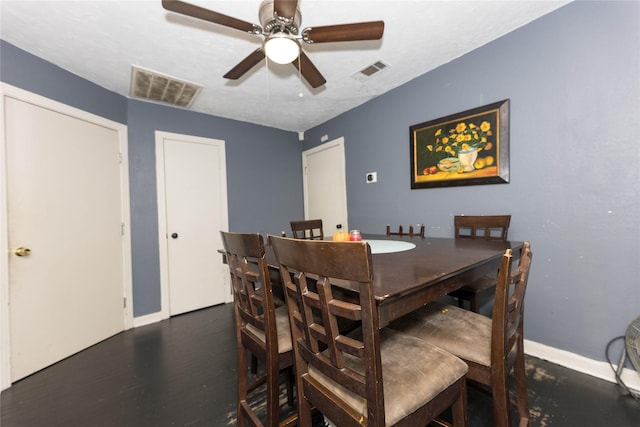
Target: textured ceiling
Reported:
point(101, 40)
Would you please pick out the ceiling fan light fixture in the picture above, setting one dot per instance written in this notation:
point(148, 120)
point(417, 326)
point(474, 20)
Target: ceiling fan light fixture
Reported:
point(280, 26)
point(281, 48)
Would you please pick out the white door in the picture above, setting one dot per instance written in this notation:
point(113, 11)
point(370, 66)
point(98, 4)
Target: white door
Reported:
point(65, 205)
point(325, 189)
point(192, 191)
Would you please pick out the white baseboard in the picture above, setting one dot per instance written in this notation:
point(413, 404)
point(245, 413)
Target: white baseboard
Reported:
point(148, 319)
point(582, 364)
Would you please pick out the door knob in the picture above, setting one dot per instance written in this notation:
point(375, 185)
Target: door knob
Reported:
point(174, 235)
point(23, 251)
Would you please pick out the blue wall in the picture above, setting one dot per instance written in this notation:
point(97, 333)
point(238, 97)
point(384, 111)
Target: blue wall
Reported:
point(573, 81)
point(573, 78)
point(31, 73)
point(264, 181)
point(264, 171)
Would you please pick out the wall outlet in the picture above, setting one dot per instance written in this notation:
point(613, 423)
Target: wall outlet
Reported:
point(371, 177)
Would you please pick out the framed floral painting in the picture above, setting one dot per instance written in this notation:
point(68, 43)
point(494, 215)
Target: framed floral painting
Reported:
point(467, 148)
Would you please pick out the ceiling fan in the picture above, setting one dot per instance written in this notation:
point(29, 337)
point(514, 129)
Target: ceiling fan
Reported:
point(279, 25)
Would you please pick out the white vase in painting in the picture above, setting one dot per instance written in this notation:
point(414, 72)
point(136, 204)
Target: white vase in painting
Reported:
point(467, 159)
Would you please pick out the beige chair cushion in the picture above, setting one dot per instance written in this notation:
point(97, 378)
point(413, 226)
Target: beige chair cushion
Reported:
point(284, 332)
point(413, 373)
point(461, 332)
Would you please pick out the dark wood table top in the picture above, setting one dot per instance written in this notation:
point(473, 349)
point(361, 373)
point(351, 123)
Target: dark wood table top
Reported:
point(404, 281)
point(432, 259)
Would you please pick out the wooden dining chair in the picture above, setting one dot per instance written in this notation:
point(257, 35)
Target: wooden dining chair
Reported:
point(310, 229)
point(485, 227)
point(262, 329)
point(365, 377)
point(492, 347)
point(410, 233)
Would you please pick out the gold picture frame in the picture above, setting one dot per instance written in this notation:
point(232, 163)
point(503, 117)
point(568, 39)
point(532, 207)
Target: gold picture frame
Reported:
point(467, 148)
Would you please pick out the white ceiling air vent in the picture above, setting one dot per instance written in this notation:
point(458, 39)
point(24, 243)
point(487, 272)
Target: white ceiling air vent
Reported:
point(154, 86)
point(371, 70)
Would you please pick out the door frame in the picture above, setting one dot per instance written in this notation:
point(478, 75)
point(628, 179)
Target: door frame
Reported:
point(9, 91)
point(160, 136)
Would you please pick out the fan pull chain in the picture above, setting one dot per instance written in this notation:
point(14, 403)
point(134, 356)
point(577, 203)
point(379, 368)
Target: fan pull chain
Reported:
point(300, 94)
point(266, 60)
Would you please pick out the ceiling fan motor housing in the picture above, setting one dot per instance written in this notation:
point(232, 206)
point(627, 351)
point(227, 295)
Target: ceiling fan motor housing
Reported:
point(271, 22)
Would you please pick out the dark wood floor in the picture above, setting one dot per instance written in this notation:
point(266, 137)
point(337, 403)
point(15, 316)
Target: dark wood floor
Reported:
point(182, 372)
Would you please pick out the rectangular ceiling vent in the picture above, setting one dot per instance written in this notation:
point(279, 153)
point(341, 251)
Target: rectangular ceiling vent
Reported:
point(371, 70)
point(154, 86)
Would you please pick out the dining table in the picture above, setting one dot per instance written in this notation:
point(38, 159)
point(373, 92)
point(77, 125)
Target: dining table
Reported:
point(409, 272)
point(406, 280)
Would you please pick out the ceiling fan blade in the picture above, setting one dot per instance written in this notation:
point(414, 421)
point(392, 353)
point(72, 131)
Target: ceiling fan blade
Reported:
point(245, 65)
point(309, 71)
point(209, 15)
point(345, 32)
point(285, 8)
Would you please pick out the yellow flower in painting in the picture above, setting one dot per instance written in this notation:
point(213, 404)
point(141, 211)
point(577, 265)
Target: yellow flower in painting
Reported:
point(462, 136)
